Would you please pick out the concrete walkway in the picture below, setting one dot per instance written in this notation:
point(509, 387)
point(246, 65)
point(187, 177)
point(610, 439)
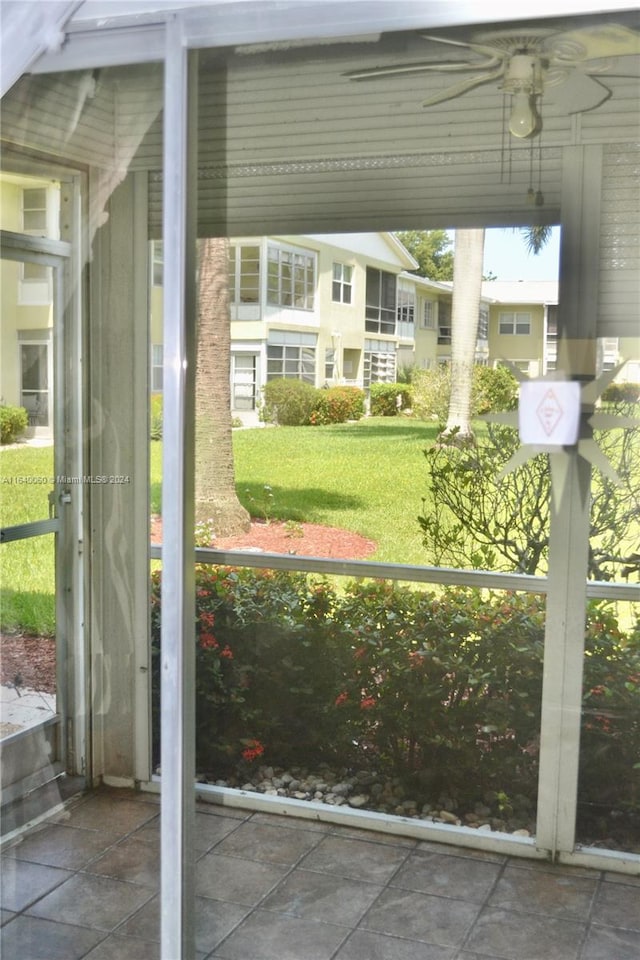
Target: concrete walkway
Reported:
point(86, 884)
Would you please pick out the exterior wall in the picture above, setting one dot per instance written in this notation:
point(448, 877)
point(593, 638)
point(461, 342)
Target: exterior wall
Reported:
point(520, 349)
point(26, 306)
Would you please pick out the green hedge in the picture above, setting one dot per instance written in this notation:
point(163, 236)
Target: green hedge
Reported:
point(384, 398)
point(294, 403)
point(622, 393)
point(337, 405)
point(288, 402)
point(13, 422)
point(440, 690)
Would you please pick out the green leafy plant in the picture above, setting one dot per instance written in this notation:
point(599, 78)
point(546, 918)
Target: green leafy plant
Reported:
point(493, 389)
point(288, 402)
point(440, 691)
point(469, 519)
point(384, 398)
point(337, 405)
point(13, 422)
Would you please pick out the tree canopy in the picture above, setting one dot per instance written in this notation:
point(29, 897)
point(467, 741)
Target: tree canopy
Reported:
point(433, 249)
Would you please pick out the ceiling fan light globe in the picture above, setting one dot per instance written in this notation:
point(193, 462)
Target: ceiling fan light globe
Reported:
point(524, 120)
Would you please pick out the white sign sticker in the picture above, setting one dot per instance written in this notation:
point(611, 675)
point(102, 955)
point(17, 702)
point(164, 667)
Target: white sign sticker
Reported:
point(549, 412)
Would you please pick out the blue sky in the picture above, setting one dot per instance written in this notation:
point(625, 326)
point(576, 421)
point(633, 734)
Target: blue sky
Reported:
point(506, 255)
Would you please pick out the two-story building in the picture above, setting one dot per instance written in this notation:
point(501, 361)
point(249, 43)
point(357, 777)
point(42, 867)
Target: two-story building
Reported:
point(327, 309)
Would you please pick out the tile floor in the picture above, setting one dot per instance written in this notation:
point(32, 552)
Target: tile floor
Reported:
point(85, 885)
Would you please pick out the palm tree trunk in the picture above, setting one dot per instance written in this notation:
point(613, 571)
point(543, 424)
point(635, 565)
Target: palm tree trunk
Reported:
point(216, 497)
point(465, 309)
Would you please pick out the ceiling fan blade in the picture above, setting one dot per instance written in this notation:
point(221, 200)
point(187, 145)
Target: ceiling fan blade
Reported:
point(593, 43)
point(578, 94)
point(482, 48)
point(457, 89)
point(419, 67)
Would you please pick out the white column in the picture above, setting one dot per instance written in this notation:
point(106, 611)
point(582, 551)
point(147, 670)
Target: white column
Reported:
point(178, 596)
point(569, 524)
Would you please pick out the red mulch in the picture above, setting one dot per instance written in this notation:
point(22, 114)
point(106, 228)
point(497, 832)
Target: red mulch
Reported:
point(275, 536)
point(27, 661)
point(30, 662)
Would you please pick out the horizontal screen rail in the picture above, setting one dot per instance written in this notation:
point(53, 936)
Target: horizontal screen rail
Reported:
point(449, 576)
point(366, 568)
point(23, 531)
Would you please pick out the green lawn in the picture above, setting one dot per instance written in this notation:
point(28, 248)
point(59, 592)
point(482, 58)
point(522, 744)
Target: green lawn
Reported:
point(26, 566)
point(367, 477)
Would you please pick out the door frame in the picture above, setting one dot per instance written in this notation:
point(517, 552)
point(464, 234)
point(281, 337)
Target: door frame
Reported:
point(59, 744)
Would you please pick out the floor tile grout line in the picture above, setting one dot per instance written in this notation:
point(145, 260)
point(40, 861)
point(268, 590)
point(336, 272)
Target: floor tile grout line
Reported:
point(385, 887)
point(251, 910)
point(482, 906)
point(588, 926)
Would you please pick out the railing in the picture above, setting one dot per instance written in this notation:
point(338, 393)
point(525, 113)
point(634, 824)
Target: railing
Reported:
point(407, 573)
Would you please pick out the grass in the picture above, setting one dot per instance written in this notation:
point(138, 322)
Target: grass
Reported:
point(26, 566)
point(367, 477)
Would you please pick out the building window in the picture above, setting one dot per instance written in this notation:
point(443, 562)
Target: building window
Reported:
point(515, 323)
point(342, 286)
point(329, 364)
point(428, 315)
point(290, 278)
point(291, 356)
point(244, 273)
point(36, 375)
point(483, 324)
point(406, 310)
point(380, 309)
point(156, 367)
point(34, 211)
point(444, 324)
point(157, 263)
point(291, 363)
point(379, 362)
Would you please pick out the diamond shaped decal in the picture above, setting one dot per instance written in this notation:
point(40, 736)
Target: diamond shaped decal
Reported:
point(549, 412)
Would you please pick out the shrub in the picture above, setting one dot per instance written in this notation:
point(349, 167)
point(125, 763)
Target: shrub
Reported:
point(13, 422)
point(337, 405)
point(622, 393)
point(266, 666)
point(445, 689)
point(384, 398)
point(289, 403)
point(155, 417)
point(472, 519)
point(442, 691)
point(431, 389)
point(492, 390)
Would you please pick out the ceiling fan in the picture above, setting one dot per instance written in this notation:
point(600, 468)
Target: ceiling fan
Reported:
point(526, 64)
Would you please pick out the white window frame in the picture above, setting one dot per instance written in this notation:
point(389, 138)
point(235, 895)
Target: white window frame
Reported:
point(242, 279)
point(405, 309)
point(428, 315)
point(380, 316)
point(297, 290)
point(342, 283)
point(514, 323)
